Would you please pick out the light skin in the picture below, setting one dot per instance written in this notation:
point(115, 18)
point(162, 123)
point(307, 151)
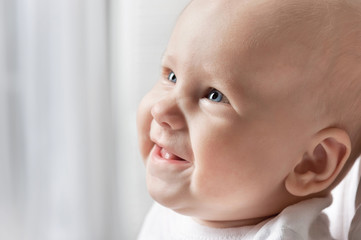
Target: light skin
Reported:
point(232, 133)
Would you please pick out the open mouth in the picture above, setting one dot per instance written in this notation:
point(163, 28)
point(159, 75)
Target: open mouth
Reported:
point(169, 156)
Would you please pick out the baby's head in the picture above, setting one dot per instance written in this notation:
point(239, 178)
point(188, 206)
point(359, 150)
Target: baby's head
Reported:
point(258, 107)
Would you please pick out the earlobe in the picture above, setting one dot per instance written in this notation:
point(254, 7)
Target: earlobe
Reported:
point(321, 163)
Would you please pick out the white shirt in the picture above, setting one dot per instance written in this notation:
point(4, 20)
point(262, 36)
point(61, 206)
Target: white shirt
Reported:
point(302, 221)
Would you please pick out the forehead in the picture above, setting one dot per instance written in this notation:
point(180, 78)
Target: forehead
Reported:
point(230, 41)
point(222, 31)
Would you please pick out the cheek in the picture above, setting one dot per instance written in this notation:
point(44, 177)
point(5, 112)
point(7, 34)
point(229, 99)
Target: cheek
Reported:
point(219, 170)
point(231, 162)
point(144, 119)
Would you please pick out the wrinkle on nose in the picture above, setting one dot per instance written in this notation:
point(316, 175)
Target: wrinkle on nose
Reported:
point(167, 114)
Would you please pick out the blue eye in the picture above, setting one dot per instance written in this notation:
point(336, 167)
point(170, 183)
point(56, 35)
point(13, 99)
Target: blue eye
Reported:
point(172, 77)
point(216, 96)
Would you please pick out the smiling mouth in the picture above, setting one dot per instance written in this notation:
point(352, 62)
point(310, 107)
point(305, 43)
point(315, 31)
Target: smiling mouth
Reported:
point(169, 156)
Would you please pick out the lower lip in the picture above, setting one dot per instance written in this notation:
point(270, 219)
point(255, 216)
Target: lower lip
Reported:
point(157, 157)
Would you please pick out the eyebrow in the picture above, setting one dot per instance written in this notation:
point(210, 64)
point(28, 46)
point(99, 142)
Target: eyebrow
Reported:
point(169, 58)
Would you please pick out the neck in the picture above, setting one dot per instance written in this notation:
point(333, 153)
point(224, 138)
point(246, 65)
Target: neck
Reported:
point(232, 223)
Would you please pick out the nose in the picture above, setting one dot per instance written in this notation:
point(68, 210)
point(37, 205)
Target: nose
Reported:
point(167, 114)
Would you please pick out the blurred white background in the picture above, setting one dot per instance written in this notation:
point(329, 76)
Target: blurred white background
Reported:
point(72, 73)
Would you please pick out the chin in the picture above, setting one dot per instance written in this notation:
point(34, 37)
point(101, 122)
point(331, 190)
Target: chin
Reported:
point(163, 198)
point(168, 199)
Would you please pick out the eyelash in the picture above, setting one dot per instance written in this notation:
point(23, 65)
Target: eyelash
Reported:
point(212, 95)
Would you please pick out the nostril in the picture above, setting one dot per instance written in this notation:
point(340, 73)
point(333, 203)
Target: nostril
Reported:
point(161, 116)
point(167, 114)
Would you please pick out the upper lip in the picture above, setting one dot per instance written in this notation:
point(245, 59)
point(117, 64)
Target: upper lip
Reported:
point(169, 149)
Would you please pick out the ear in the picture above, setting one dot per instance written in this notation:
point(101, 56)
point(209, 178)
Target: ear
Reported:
point(321, 163)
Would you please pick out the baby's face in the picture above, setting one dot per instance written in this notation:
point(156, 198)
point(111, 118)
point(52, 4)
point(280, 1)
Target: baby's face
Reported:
point(226, 122)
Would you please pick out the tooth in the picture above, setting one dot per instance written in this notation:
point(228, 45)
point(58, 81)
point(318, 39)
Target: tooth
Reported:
point(167, 155)
point(164, 154)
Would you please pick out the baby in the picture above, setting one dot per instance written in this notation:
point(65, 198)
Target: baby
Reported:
point(256, 117)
